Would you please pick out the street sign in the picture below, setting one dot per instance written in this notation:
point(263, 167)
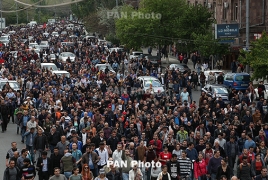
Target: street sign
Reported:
point(226, 30)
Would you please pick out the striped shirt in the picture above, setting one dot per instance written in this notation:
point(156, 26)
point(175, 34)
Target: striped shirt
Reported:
point(185, 166)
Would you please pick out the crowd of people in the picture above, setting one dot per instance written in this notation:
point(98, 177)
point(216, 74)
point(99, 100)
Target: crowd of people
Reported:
point(88, 125)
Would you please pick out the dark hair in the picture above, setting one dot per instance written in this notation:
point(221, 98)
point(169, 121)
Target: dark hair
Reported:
point(23, 151)
point(44, 153)
point(27, 160)
point(244, 157)
point(174, 155)
point(56, 148)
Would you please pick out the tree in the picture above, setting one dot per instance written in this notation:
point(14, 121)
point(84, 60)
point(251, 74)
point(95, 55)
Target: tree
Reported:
point(156, 22)
point(207, 45)
point(256, 57)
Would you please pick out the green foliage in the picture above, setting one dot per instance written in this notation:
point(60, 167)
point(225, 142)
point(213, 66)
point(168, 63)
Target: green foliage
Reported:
point(189, 25)
point(256, 58)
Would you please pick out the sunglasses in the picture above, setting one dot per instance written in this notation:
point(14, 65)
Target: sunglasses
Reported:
point(85, 167)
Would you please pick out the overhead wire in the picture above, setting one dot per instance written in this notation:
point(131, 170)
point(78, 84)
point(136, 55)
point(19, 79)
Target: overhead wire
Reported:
point(35, 5)
point(48, 6)
point(22, 9)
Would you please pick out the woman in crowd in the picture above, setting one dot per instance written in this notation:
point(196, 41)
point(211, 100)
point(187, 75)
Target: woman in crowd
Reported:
point(257, 164)
point(224, 169)
point(86, 173)
point(75, 175)
point(200, 168)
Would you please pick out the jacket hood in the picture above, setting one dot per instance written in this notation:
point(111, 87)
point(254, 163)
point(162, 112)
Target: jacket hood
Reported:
point(68, 154)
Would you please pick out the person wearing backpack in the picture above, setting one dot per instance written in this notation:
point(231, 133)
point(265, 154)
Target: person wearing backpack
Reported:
point(244, 171)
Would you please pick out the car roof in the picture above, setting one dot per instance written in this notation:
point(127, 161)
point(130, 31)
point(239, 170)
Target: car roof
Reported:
point(137, 52)
point(217, 85)
point(10, 81)
point(58, 72)
point(47, 64)
point(147, 77)
point(238, 73)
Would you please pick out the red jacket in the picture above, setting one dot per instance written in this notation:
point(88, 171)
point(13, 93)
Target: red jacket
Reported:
point(158, 143)
point(200, 168)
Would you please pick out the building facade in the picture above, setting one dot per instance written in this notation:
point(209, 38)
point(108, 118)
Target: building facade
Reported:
point(234, 11)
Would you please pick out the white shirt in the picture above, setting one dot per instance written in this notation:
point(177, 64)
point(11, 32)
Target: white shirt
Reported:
point(117, 156)
point(31, 125)
point(132, 174)
point(44, 168)
point(103, 154)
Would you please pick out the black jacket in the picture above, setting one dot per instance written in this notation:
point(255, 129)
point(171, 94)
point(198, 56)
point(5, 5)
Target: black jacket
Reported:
point(55, 161)
point(6, 174)
point(117, 175)
point(39, 166)
point(40, 142)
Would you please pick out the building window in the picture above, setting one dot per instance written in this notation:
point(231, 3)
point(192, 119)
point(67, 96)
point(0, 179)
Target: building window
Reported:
point(196, 3)
point(235, 11)
point(224, 12)
point(188, 3)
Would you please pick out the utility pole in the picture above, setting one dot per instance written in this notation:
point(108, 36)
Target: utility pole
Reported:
point(247, 31)
point(17, 13)
point(116, 2)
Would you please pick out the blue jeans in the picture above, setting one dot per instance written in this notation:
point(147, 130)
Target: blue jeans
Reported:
point(31, 151)
point(67, 174)
point(148, 173)
point(213, 176)
point(23, 130)
point(125, 176)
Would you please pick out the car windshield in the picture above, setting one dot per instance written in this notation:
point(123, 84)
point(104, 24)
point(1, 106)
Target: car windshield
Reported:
point(153, 82)
point(49, 67)
point(67, 55)
point(61, 74)
point(137, 54)
point(3, 38)
point(242, 78)
point(13, 85)
point(220, 91)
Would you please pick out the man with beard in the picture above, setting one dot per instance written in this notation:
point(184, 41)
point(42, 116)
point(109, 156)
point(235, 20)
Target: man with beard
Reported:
point(173, 167)
point(28, 170)
point(208, 152)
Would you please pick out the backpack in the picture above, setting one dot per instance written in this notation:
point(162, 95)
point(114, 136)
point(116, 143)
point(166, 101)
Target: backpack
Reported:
point(240, 166)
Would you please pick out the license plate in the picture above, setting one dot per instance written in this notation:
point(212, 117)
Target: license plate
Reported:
point(244, 84)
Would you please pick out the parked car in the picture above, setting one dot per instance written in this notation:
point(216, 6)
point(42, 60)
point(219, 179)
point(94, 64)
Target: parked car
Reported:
point(49, 66)
point(154, 59)
point(148, 80)
point(56, 34)
point(217, 91)
point(238, 81)
point(135, 54)
point(61, 73)
point(103, 67)
point(13, 84)
point(216, 72)
point(181, 67)
point(64, 56)
point(43, 45)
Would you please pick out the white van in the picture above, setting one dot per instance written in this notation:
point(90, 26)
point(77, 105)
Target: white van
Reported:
point(70, 27)
point(50, 66)
point(61, 73)
point(32, 23)
point(51, 21)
